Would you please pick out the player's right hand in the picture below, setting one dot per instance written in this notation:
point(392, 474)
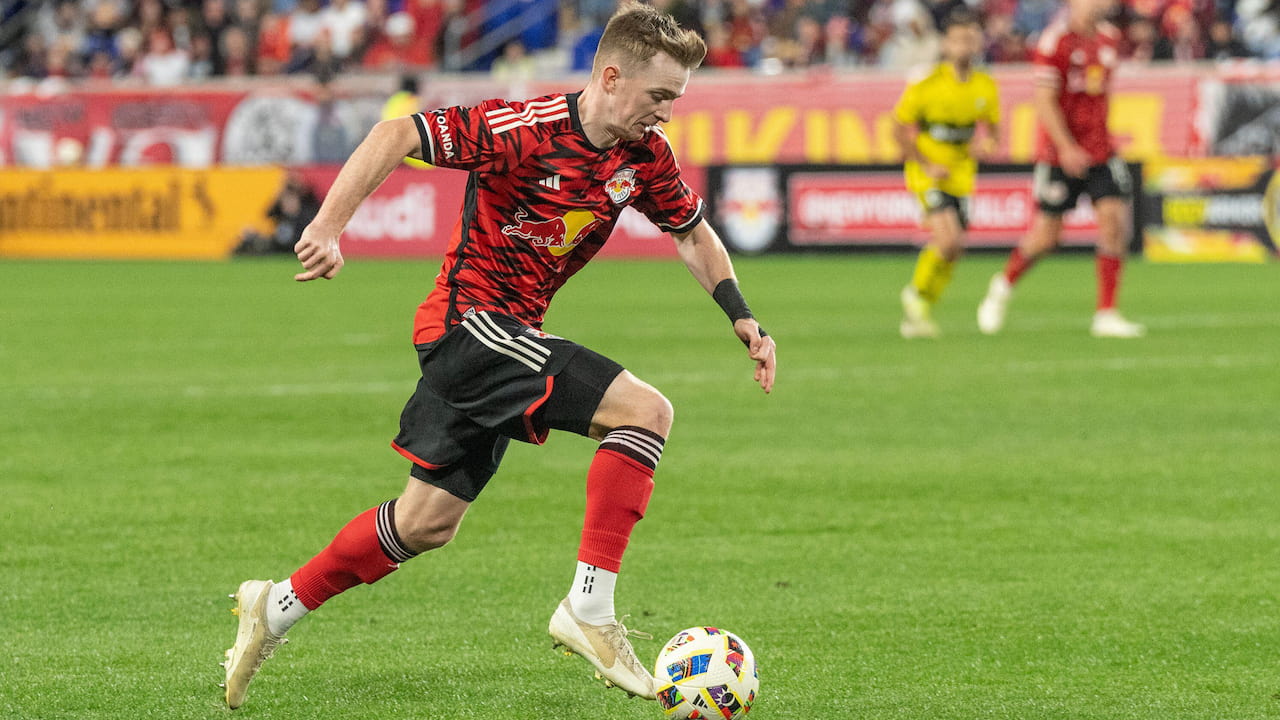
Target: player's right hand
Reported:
point(1075, 161)
point(319, 254)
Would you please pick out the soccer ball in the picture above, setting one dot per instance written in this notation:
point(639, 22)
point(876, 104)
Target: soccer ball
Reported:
point(708, 673)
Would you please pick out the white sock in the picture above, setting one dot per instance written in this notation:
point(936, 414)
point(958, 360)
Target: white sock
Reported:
point(283, 608)
point(591, 597)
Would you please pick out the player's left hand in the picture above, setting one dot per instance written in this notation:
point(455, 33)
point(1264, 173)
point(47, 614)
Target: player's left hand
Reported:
point(761, 349)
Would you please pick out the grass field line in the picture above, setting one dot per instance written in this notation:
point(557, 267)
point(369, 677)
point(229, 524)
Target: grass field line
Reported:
point(788, 374)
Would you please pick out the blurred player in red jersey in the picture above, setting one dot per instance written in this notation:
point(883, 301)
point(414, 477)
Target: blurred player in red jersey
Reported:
point(548, 180)
point(1073, 64)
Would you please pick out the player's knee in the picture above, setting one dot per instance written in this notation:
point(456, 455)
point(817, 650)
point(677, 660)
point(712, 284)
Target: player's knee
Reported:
point(428, 534)
point(657, 414)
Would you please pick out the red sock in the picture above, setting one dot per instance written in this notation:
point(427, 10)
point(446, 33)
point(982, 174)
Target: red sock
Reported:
point(1018, 264)
point(619, 484)
point(1108, 279)
point(366, 550)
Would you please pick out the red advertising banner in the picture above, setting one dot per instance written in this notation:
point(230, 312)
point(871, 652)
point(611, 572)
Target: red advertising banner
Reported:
point(413, 213)
point(872, 207)
point(731, 118)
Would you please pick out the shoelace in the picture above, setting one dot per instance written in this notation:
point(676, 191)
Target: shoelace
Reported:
point(632, 633)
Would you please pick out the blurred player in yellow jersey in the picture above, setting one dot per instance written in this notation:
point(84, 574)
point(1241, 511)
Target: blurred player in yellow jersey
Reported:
point(936, 119)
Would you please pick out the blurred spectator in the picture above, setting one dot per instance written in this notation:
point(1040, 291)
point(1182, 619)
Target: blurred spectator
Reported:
point(428, 21)
point(295, 206)
point(149, 15)
point(687, 14)
point(99, 43)
point(344, 21)
point(915, 39)
point(397, 47)
point(1034, 15)
point(720, 53)
point(1186, 39)
point(129, 45)
point(1222, 45)
point(180, 28)
point(163, 64)
point(273, 47)
point(202, 64)
point(1259, 24)
point(317, 60)
point(329, 139)
point(579, 35)
point(306, 22)
point(61, 24)
point(102, 38)
point(514, 64)
point(1005, 44)
point(63, 60)
point(746, 27)
point(235, 51)
point(1145, 43)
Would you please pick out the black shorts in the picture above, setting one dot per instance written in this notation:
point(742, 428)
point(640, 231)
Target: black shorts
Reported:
point(1056, 192)
point(935, 200)
point(488, 380)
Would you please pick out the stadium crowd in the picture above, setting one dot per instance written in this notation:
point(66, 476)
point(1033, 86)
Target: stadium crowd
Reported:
point(168, 42)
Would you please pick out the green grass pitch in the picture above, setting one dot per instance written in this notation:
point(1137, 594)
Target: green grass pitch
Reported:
point(1033, 526)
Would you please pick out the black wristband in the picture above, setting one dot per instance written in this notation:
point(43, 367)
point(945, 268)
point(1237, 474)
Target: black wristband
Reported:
point(729, 298)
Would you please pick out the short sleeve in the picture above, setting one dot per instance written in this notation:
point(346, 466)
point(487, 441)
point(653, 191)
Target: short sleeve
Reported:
point(993, 102)
point(1049, 62)
point(907, 111)
point(667, 201)
point(490, 137)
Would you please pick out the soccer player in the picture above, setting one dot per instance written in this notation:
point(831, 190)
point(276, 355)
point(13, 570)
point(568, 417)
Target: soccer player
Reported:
point(548, 179)
point(936, 119)
point(1073, 64)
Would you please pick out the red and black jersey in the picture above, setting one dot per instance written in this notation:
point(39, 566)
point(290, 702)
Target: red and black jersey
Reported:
point(1079, 67)
point(541, 201)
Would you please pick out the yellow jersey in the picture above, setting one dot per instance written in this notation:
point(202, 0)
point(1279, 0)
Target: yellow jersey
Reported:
point(947, 110)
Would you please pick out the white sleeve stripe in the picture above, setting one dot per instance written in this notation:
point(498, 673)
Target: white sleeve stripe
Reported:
point(506, 113)
point(424, 135)
point(512, 124)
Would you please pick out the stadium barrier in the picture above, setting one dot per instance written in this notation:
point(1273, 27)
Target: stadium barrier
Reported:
point(1201, 209)
point(820, 117)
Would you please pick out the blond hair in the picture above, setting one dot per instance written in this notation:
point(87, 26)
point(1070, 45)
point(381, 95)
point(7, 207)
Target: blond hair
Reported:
point(637, 32)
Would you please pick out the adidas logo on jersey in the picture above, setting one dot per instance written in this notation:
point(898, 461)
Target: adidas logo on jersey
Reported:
point(552, 182)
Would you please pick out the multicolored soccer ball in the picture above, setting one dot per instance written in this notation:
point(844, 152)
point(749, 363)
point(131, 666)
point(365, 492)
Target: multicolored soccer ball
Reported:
point(705, 673)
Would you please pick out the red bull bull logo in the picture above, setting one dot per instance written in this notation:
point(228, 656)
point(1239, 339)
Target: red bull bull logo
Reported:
point(621, 185)
point(559, 235)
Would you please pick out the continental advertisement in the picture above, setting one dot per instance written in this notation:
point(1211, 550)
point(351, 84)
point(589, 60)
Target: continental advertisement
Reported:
point(1210, 210)
point(140, 213)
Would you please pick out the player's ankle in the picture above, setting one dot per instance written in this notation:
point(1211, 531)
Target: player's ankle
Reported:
point(591, 597)
point(284, 609)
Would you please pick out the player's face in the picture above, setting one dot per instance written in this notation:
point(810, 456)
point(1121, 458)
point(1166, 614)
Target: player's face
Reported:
point(644, 97)
point(962, 44)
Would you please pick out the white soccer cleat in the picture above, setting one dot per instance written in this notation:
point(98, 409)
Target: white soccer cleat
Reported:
point(604, 646)
point(917, 320)
point(254, 642)
point(1111, 324)
point(995, 305)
